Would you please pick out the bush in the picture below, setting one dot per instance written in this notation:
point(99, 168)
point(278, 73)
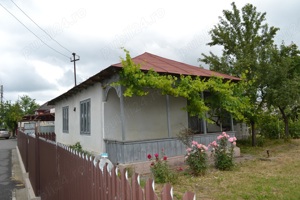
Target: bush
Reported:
point(294, 129)
point(161, 170)
point(270, 126)
point(196, 158)
point(77, 146)
point(223, 155)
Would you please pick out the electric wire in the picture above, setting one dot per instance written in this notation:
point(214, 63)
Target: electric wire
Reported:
point(33, 32)
point(40, 27)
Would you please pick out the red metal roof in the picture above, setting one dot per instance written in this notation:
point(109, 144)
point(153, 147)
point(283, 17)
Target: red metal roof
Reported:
point(159, 64)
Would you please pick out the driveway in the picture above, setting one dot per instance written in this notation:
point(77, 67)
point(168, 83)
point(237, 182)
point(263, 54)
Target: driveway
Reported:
point(7, 184)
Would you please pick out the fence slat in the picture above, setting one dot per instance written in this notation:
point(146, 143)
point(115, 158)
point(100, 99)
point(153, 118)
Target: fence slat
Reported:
point(166, 193)
point(149, 190)
point(137, 192)
point(189, 196)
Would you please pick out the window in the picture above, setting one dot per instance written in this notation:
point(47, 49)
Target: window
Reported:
point(65, 117)
point(85, 116)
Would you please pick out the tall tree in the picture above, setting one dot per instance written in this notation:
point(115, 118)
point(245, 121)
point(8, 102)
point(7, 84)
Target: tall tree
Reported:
point(245, 38)
point(27, 105)
point(281, 81)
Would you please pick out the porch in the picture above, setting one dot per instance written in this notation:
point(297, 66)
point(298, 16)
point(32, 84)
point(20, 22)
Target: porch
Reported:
point(136, 151)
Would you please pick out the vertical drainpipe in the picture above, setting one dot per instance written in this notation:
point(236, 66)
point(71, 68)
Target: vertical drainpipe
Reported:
point(168, 115)
point(203, 120)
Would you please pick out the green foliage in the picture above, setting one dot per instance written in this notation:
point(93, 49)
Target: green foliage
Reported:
point(77, 147)
point(160, 169)
point(281, 78)
point(225, 94)
point(294, 129)
point(223, 151)
point(246, 40)
point(196, 158)
point(12, 113)
point(270, 126)
point(27, 105)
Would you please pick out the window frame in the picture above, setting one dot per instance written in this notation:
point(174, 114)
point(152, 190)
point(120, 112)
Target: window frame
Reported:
point(65, 119)
point(85, 117)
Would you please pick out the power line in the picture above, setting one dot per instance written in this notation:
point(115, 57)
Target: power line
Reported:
point(33, 32)
point(40, 27)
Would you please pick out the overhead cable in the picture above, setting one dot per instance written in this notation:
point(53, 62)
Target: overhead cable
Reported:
point(40, 27)
point(33, 32)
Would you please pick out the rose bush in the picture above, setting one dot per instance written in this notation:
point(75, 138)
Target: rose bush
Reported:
point(223, 151)
point(196, 158)
point(160, 169)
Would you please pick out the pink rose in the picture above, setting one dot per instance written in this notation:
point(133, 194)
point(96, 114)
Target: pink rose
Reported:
point(156, 155)
point(149, 156)
point(165, 158)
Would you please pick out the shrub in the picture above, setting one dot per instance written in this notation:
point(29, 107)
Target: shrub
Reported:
point(196, 158)
point(160, 169)
point(270, 126)
point(223, 154)
point(294, 129)
point(77, 146)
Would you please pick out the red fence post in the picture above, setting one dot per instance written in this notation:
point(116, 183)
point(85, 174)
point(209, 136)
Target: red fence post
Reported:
point(167, 193)
point(137, 192)
point(189, 196)
point(149, 190)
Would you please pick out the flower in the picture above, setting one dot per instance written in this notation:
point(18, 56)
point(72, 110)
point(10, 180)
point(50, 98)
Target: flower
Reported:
point(232, 139)
point(165, 158)
point(149, 156)
point(156, 155)
point(188, 149)
point(213, 144)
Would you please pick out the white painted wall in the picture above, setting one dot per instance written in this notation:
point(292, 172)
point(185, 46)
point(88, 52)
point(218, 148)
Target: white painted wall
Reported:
point(145, 116)
point(93, 142)
point(178, 116)
point(112, 116)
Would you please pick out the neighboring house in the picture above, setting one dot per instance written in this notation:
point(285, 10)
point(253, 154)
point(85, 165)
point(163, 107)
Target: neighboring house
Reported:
point(98, 116)
point(41, 122)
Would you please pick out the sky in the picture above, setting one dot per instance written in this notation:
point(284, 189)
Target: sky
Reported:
point(36, 62)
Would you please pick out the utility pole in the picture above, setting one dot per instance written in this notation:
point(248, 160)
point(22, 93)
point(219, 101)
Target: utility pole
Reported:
point(74, 59)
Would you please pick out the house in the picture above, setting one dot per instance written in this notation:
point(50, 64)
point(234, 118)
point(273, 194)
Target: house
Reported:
point(42, 121)
point(96, 114)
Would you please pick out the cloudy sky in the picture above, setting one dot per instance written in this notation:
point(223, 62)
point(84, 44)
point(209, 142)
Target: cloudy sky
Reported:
point(34, 64)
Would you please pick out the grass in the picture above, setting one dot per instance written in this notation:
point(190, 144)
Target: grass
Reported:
point(254, 177)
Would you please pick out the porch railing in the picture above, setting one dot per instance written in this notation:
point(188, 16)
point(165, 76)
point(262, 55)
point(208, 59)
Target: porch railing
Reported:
point(136, 151)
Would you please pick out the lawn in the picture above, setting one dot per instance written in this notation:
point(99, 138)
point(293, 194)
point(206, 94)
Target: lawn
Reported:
point(255, 175)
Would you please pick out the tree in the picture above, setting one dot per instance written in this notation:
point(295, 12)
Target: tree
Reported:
point(27, 105)
point(227, 96)
point(13, 112)
point(282, 82)
point(245, 38)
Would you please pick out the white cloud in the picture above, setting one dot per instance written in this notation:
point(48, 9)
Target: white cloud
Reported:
point(96, 30)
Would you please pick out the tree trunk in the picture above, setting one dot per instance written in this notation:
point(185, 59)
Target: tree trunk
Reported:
point(253, 133)
point(286, 124)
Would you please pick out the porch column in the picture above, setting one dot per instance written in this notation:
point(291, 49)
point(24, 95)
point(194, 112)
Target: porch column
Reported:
point(231, 122)
point(122, 113)
point(168, 115)
point(203, 119)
